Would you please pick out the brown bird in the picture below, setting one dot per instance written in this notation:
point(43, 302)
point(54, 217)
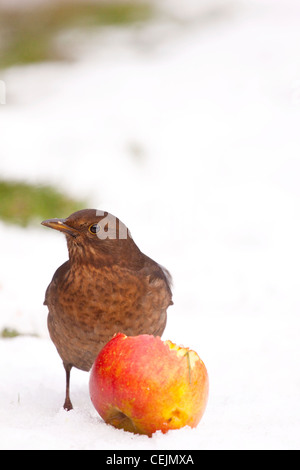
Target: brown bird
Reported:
point(107, 286)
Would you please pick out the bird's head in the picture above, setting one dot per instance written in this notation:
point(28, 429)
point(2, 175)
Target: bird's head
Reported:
point(96, 237)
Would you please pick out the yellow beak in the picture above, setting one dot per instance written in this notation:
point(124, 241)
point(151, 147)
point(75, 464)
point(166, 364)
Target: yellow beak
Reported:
point(61, 226)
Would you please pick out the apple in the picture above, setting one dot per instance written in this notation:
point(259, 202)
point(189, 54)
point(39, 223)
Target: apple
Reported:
point(143, 384)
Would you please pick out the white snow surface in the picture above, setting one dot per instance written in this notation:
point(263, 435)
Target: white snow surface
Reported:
point(189, 132)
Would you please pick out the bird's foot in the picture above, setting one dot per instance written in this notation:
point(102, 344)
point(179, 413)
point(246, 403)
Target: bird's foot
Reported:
point(68, 405)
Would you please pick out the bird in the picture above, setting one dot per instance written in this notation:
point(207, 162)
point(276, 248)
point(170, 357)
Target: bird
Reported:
point(107, 286)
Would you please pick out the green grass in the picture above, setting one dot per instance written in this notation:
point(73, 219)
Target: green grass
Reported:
point(23, 204)
point(9, 333)
point(27, 36)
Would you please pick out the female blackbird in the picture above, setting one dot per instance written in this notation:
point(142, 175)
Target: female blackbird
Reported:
point(107, 286)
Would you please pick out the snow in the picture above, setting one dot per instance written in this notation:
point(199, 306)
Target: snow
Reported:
point(189, 132)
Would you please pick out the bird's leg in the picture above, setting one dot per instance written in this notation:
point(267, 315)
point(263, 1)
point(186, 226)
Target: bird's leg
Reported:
point(68, 404)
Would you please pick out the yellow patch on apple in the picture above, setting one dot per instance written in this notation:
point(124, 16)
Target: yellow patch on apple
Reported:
point(142, 384)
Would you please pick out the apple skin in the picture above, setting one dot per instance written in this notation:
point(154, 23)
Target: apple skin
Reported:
point(142, 384)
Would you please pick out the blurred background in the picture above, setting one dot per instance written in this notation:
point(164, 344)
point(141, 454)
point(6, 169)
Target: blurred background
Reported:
point(181, 118)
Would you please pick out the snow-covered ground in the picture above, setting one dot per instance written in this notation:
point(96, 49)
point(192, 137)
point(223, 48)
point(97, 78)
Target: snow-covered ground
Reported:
point(189, 132)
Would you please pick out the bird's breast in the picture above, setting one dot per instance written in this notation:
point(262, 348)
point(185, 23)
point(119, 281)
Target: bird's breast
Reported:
point(95, 297)
point(89, 306)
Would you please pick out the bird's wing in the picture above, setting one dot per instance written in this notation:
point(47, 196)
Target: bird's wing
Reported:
point(53, 284)
point(159, 277)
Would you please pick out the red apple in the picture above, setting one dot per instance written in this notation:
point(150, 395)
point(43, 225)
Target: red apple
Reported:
point(142, 384)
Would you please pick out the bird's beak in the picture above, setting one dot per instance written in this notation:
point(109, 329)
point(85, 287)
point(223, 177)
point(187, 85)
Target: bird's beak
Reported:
point(60, 224)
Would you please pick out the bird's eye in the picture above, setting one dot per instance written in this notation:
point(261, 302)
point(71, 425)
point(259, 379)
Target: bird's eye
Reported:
point(94, 229)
